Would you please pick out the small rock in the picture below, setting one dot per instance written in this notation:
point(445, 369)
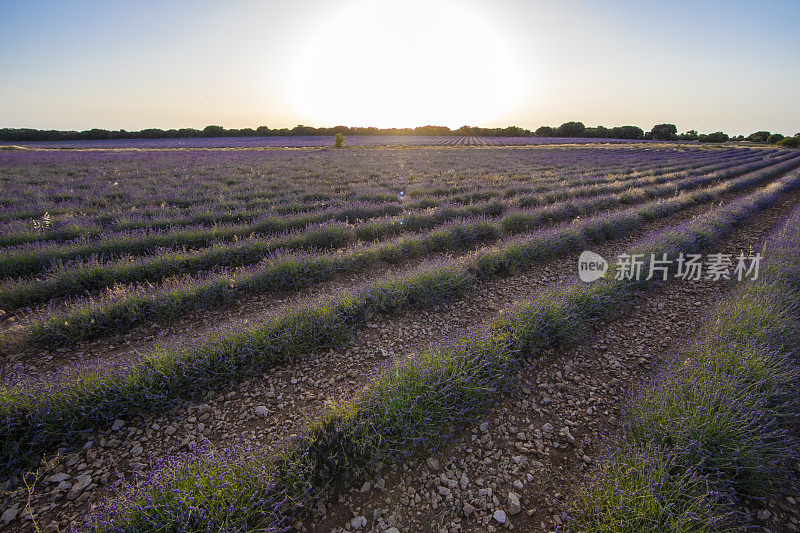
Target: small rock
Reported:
point(392, 530)
point(9, 514)
point(432, 463)
point(81, 483)
point(468, 509)
point(358, 522)
point(117, 425)
point(513, 503)
point(262, 411)
point(58, 478)
point(366, 487)
point(500, 516)
point(464, 481)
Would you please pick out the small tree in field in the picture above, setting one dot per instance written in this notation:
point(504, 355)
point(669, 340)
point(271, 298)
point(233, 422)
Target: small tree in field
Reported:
point(338, 140)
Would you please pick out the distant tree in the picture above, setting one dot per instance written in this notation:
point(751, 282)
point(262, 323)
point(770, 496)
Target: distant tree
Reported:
point(627, 132)
point(151, 133)
point(775, 137)
point(664, 132)
point(338, 140)
point(545, 131)
point(213, 131)
point(465, 131)
point(189, 132)
point(511, 131)
point(96, 134)
point(758, 137)
point(303, 130)
point(570, 129)
point(690, 135)
point(431, 130)
point(789, 142)
point(716, 137)
point(597, 132)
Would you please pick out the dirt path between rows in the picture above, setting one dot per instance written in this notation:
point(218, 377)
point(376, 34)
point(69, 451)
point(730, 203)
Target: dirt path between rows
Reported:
point(539, 440)
point(196, 326)
point(267, 408)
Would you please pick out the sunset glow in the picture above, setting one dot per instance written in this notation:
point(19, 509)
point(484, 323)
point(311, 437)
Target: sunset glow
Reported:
point(492, 63)
point(406, 64)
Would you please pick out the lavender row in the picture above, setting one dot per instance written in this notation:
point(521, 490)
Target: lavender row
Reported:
point(118, 182)
point(312, 141)
point(285, 272)
point(718, 422)
point(35, 259)
point(37, 414)
point(458, 195)
point(75, 278)
point(420, 400)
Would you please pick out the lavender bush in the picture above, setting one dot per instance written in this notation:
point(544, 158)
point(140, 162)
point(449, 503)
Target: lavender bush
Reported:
point(419, 400)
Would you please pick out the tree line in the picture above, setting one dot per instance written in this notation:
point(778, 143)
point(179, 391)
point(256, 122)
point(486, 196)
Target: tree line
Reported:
point(662, 132)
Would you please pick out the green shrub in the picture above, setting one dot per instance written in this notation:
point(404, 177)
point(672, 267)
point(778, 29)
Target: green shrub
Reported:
point(338, 140)
point(789, 142)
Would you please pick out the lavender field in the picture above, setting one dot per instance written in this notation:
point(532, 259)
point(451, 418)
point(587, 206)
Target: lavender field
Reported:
point(309, 141)
point(204, 335)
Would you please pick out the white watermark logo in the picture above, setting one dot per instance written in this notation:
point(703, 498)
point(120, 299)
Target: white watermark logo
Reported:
point(691, 267)
point(591, 266)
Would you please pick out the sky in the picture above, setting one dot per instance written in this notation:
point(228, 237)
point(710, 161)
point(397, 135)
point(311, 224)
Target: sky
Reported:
point(705, 65)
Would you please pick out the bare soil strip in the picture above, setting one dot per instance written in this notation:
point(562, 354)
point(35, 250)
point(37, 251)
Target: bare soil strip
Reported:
point(540, 439)
point(198, 325)
point(268, 408)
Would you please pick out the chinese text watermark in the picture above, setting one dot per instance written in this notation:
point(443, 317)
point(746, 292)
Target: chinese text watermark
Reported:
point(689, 267)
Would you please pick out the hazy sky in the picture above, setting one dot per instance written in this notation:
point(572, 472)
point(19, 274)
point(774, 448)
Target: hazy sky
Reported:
point(705, 65)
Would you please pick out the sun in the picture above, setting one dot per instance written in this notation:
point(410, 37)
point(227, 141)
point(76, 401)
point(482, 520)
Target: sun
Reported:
point(405, 64)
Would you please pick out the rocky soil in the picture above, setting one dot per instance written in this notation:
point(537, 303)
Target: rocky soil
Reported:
point(514, 469)
point(518, 467)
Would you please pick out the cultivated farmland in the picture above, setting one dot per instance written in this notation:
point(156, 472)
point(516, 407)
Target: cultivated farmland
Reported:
point(233, 336)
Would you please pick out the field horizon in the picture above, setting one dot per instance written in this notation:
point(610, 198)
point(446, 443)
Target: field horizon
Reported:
point(410, 313)
point(552, 287)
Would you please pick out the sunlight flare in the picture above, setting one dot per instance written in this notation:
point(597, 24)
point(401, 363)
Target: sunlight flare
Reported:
point(408, 64)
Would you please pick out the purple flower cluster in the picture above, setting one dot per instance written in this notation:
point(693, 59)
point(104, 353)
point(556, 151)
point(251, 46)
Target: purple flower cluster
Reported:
point(718, 420)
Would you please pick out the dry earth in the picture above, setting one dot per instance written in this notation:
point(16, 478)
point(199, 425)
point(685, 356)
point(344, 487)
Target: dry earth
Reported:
point(523, 440)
